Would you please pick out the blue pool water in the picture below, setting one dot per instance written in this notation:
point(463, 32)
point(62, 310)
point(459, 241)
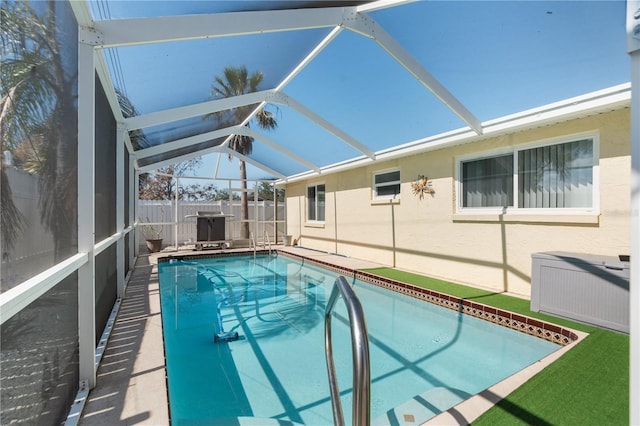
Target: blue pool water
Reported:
point(424, 358)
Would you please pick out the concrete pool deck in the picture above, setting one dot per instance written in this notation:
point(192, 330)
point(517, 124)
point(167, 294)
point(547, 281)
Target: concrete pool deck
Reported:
point(131, 379)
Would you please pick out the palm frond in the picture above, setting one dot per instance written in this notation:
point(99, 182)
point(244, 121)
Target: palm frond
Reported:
point(26, 85)
point(221, 89)
point(266, 119)
point(254, 81)
point(12, 221)
point(241, 144)
point(38, 113)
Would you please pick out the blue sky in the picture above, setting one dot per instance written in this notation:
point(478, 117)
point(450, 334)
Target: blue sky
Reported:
point(496, 57)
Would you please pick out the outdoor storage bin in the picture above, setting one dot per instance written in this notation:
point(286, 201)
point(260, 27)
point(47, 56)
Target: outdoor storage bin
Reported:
point(588, 288)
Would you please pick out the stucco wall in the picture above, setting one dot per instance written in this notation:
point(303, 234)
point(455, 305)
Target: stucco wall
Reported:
point(491, 251)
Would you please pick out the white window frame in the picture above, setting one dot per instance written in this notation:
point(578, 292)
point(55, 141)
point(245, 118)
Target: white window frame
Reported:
point(595, 168)
point(306, 195)
point(374, 186)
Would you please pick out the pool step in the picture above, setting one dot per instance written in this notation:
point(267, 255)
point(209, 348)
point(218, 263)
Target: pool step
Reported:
point(207, 274)
point(422, 407)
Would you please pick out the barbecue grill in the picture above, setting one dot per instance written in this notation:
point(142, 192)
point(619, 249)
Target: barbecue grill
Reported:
point(211, 229)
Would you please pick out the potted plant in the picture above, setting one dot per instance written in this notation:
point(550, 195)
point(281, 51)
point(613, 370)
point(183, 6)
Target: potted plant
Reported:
point(152, 235)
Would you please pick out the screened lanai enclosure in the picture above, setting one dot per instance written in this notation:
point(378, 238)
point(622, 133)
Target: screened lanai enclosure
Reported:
point(98, 95)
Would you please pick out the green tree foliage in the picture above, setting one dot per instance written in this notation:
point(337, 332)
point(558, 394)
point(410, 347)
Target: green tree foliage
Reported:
point(223, 194)
point(162, 184)
point(265, 192)
point(196, 192)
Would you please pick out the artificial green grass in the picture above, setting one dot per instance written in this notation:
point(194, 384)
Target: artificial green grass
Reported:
point(589, 385)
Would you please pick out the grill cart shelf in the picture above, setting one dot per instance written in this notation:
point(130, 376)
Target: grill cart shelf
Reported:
point(211, 230)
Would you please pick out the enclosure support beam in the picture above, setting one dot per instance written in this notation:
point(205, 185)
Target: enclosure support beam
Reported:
point(120, 171)
point(247, 131)
point(185, 142)
point(253, 162)
point(204, 108)
point(306, 61)
point(175, 212)
point(133, 202)
point(86, 212)
point(124, 32)
point(174, 160)
point(136, 197)
point(195, 110)
point(634, 285)
point(283, 99)
point(633, 47)
point(240, 130)
point(17, 298)
point(102, 69)
point(364, 25)
point(381, 4)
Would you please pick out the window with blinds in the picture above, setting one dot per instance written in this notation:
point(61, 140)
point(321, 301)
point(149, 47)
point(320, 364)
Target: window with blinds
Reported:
point(488, 182)
point(556, 176)
point(553, 176)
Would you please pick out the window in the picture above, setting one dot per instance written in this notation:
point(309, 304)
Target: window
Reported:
point(488, 182)
point(315, 203)
point(556, 176)
point(543, 177)
point(386, 184)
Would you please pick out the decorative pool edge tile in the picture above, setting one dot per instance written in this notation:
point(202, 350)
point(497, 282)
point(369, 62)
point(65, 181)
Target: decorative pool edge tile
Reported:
point(532, 326)
point(535, 327)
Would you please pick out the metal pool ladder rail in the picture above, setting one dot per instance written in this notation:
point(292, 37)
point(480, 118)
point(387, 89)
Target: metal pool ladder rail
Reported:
point(252, 240)
point(360, 351)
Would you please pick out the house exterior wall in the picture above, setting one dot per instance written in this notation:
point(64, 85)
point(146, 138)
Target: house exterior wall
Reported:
point(428, 236)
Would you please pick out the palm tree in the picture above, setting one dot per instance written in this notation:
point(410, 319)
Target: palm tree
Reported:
point(38, 89)
point(237, 81)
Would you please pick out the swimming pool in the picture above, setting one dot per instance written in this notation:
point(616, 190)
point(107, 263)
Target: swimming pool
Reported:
point(424, 358)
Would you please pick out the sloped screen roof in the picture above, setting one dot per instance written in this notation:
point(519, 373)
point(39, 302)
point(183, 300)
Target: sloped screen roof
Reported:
point(344, 80)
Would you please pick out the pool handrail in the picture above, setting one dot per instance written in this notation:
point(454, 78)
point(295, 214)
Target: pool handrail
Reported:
point(267, 240)
point(252, 239)
point(361, 409)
